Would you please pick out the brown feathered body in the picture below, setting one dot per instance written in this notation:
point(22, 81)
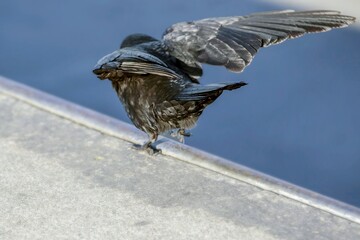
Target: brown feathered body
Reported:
point(157, 109)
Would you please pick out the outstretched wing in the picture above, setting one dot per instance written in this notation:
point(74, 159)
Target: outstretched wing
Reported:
point(233, 41)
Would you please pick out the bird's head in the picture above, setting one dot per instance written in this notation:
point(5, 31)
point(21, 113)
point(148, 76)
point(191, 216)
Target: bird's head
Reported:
point(135, 39)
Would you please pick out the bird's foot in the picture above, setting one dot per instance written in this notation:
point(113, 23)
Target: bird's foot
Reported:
point(180, 135)
point(148, 148)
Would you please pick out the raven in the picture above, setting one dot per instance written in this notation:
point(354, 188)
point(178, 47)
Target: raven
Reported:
point(157, 81)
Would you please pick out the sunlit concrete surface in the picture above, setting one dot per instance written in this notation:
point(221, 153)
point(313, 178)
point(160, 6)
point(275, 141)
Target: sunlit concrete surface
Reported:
point(349, 7)
point(69, 173)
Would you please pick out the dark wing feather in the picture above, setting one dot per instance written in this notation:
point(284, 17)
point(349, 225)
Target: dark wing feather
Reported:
point(131, 61)
point(234, 41)
point(197, 92)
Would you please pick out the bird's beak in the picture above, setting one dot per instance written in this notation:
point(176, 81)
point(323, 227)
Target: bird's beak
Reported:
point(98, 69)
point(108, 70)
point(107, 67)
point(99, 72)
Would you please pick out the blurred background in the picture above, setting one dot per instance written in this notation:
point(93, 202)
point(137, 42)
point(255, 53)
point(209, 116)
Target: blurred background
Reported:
point(298, 119)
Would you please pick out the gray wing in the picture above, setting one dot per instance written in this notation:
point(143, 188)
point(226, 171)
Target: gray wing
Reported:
point(233, 41)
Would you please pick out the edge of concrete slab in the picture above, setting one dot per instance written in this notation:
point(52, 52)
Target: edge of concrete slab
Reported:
point(116, 128)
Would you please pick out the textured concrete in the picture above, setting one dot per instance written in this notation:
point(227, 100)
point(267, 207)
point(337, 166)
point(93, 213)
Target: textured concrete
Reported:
point(63, 180)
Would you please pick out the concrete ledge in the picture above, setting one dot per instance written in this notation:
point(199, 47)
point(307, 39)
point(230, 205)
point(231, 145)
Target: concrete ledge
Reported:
point(171, 148)
point(120, 130)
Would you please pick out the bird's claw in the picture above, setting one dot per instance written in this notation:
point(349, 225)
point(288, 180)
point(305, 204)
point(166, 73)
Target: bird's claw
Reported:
point(148, 148)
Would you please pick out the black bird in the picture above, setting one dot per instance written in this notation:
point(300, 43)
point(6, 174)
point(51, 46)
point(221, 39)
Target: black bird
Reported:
point(157, 80)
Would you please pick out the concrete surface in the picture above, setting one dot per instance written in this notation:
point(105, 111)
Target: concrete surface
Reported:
point(63, 178)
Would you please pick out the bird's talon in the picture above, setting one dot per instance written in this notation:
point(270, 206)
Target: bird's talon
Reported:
point(148, 148)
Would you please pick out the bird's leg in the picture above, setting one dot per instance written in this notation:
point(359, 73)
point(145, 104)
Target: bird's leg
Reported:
point(180, 134)
point(148, 147)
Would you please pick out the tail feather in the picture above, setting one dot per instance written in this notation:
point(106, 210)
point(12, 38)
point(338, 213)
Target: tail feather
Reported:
point(233, 86)
point(199, 92)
